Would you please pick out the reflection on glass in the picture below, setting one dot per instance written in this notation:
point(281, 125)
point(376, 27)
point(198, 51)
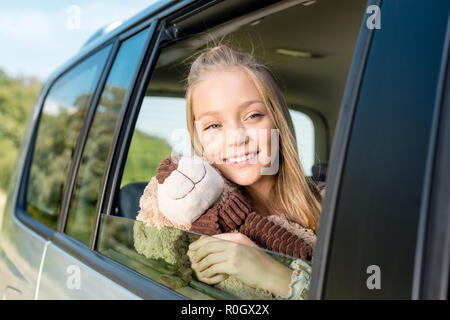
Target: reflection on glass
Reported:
point(160, 254)
point(62, 117)
point(95, 155)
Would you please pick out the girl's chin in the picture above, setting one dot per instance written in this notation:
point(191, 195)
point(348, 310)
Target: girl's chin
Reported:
point(243, 176)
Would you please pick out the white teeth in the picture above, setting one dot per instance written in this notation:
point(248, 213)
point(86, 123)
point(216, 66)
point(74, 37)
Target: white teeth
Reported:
point(243, 158)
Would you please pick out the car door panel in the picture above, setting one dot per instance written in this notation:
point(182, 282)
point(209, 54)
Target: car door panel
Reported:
point(65, 277)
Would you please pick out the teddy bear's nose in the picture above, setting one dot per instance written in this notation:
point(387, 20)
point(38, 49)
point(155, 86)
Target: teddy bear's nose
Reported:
point(193, 168)
point(177, 185)
point(179, 177)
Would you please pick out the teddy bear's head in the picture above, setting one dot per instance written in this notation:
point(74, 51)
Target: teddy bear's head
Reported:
point(187, 185)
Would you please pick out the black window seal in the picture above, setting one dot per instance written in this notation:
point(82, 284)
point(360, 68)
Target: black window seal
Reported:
point(431, 270)
point(130, 96)
point(82, 138)
point(123, 136)
point(338, 157)
point(20, 206)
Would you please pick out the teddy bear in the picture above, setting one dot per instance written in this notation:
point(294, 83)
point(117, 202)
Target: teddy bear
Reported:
point(188, 194)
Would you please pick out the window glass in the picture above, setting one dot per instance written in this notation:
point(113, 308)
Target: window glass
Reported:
point(161, 255)
point(62, 117)
point(95, 155)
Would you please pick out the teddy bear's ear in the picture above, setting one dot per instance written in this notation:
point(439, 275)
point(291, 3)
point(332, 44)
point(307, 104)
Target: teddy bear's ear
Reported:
point(166, 167)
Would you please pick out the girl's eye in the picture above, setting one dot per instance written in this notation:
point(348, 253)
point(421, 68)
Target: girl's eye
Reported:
point(255, 115)
point(212, 126)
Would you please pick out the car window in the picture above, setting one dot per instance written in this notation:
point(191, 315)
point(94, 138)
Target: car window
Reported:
point(312, 84)
point(161, 131)
point(62, 117)
point(93, 163)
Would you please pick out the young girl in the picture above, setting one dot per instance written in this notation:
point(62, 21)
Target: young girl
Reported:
point(233, 106)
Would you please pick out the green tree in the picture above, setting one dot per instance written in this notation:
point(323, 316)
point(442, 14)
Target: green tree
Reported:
point(17, 96)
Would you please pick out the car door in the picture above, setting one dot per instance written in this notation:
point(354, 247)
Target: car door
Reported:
point(373, 225)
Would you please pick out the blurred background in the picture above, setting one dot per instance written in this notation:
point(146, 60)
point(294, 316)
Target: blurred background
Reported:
point(36, 38)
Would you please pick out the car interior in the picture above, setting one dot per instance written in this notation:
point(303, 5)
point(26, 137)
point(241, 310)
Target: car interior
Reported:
point(308, 46)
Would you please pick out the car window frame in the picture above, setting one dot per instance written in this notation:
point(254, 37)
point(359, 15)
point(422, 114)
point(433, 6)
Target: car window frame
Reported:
point(432, 272)
point(91, 116)
point(167, 32)
point(20, 211)
point(337, 156)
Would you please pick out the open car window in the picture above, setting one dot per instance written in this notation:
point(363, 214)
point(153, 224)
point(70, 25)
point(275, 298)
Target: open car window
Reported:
point(312, 86)
point(161, 255)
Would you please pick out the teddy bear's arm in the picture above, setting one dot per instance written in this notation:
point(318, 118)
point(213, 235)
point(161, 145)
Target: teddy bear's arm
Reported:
point(208, 222)
point(275, 237)
point(223, 217)
point(234, 211)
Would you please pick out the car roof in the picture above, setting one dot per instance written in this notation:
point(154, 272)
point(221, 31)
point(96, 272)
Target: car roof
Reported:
point(93, 42)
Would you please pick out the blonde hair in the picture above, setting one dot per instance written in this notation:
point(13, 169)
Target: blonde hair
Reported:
point(298, 196)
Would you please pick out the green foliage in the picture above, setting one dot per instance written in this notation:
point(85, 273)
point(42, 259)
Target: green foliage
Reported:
point(144, 156)
point(17, 96)
point(93, 164)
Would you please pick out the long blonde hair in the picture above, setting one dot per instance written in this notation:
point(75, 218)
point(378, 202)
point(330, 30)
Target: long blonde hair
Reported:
point(300, 200)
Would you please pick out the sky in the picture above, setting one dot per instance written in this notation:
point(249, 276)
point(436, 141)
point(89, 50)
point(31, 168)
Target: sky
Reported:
point(36, 37)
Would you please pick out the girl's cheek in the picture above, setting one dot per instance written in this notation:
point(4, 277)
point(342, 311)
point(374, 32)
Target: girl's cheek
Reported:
point(212, 145)
point(260, 139)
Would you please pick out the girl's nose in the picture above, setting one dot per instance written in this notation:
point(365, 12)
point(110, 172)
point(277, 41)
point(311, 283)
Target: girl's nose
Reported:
point(235, 137)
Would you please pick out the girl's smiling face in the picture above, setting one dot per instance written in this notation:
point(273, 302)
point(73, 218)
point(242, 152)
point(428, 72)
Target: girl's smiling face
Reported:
point(232, 124)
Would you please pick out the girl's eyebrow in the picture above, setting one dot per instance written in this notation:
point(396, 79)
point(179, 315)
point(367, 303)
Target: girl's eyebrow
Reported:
point(243, 104)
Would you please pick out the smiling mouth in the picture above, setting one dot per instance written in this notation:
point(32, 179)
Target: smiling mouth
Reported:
point(241, 159)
